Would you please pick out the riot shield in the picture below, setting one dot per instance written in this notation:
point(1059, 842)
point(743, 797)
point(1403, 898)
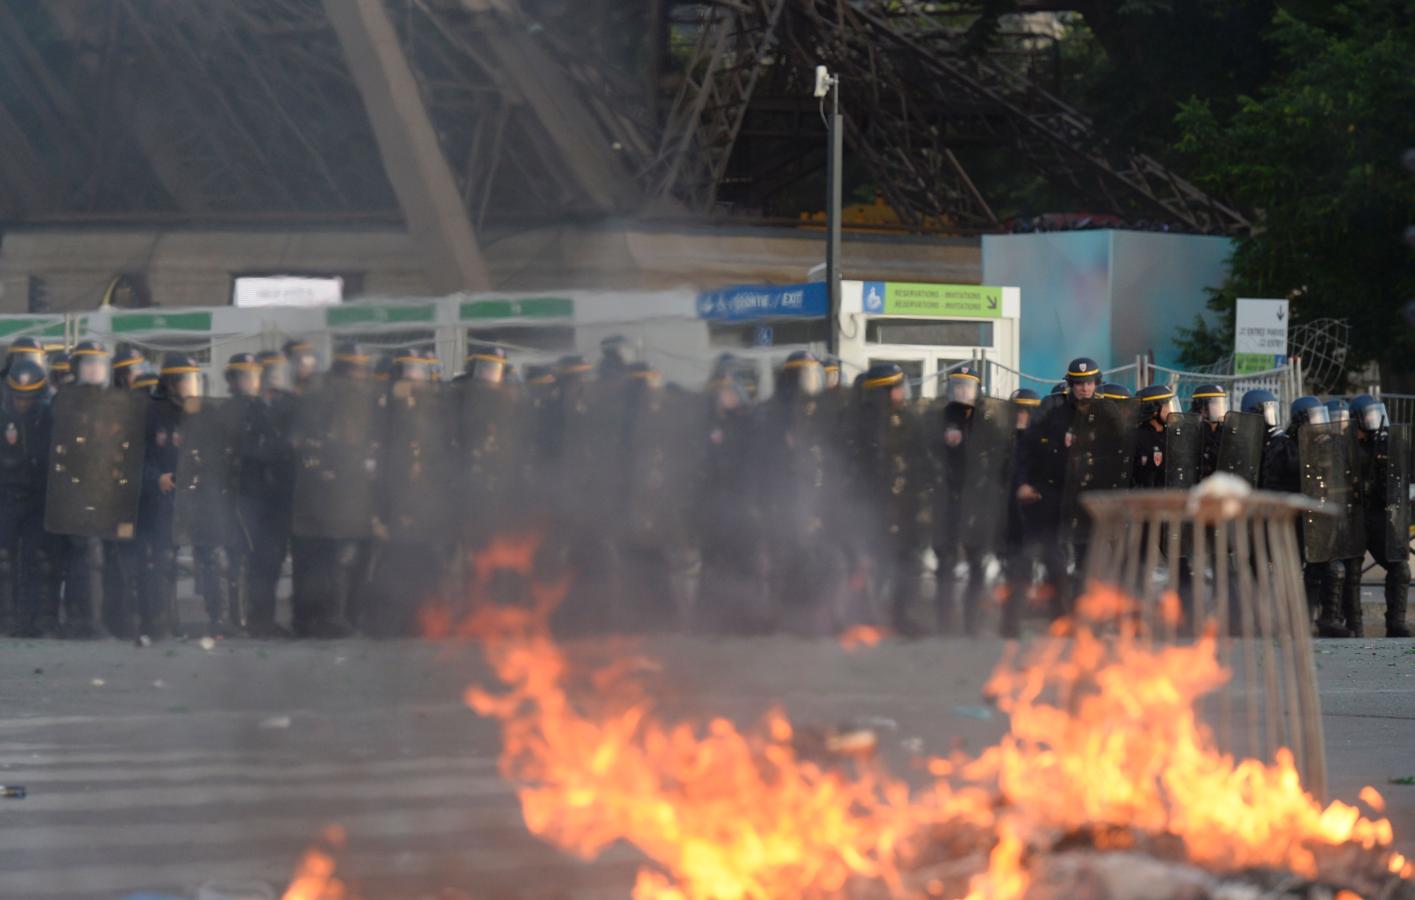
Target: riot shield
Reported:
point(204, 497)
point(985, 492)
point(1240, 448)
point(95, 462)
point(493, 450)
point(1097, 459)
point(1327, 455)
point(336, 443)
point(417, 500)
point(1183, 450)
point(1397, 496)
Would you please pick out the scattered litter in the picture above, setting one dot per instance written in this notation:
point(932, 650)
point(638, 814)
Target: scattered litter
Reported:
point(98, 682)
point(170, 652)
point(13, 792)
point(38, 670)
point(913, 745)
point(1408, 779)
point(207, 644)
point(143, 641)
point(340, 659)
point(275, 723)
point(879, 723)
point(159, 684)
point(972, 712)
point(179, 709)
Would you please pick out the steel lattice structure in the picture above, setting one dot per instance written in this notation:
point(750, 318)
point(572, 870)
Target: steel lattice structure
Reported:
point(545, 110)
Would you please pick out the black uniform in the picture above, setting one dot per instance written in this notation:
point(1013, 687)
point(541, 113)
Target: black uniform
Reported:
point(1149, 470)
point(26, 566)
point(1282, 471)
point(1374, 449)
point(157, 582)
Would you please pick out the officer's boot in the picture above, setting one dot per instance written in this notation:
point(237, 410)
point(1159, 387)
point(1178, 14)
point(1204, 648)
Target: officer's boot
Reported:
point(42, 575)
point(1397, 589)
point(209, 563)
point(1351, 597)
point(9, 614)
point(1329, 614)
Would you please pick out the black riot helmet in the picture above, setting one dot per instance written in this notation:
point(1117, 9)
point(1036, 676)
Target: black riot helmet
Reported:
point(25, 348)
point(1308, 410)
point(126, 364)
point(885, 380)
point(1157, 402)
point(61, 370)
point(25, 385)
point(617, 354)
point(964, 385)
point(1111, 391)
point(350, 361)
point(643, 378)
point(486, 364)
point(802, 375)
point(1082, 370)
point(1369, 414)
point(831, 366)
point(243, 373)
point(179, 378)
point(274, 370)
point(1210, 401)
point(304, 362)
point(1263, 403)
point(144, 378)
point(571, 369)
point(1057, 390)
point(91, 363)
point(1025, 402)
point(540, 380)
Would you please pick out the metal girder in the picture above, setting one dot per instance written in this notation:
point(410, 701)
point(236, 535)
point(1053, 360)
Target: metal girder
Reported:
point(719, 82)
point(1036, 115)
point(413, 159)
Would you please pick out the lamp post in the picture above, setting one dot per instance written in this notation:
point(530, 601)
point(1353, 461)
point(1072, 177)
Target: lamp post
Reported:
point(829, 85)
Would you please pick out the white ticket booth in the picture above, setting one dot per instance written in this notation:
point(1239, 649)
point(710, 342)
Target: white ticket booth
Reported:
point(927, 328)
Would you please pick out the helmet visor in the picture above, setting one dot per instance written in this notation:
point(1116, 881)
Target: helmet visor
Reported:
point(1213, 409)
point(487, 369)
point(1318, 415)
point(275, 375)
point(832, 377)
point(1374, 418)
point(92, 369)
point(1340, 414)
point(186, 386)
point(963, 390)
point(1269, 413)
point(304, 364)
point(245, 382)
point(810, 377)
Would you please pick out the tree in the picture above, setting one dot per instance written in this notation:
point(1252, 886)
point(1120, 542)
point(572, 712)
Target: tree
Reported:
point(1317, 156)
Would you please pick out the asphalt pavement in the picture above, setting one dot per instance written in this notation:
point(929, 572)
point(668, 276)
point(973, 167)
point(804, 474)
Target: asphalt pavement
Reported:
point(158, 770)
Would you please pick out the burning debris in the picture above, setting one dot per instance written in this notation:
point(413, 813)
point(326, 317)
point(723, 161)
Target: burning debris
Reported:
point(1107, 784)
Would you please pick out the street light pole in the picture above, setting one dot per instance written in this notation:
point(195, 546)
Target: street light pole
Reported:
point(835, 131)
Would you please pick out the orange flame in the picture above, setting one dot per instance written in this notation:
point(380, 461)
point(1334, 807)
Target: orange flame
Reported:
point(861, 636)
point(1103, 733)
point(314, 875)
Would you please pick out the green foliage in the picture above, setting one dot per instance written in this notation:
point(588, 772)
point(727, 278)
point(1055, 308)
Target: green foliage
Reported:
point(1317, 154)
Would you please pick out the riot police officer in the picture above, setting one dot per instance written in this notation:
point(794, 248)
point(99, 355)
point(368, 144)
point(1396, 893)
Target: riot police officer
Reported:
point(267, 485)
point(1093, 429)
point(1321, 572)
point(61, 373)
point(1384, 465)
point(128, 362)
point(892, 476)
point(1113, 391)
point(25, 563)
point(1020, 556)
point(25, 348)
point(303, 362)
point(79, 561)
point(1157, 403)
point(250, 418)
point(1211, 403)
point(179, 380)
point(1264, 403)
point(949, 444)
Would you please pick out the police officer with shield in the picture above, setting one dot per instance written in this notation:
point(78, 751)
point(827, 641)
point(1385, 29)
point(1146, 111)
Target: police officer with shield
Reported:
point(1021, 555)
point(1384, 456)
point(25, 563)
point(1153, 436)
point(1210, 402)
point(267, 485)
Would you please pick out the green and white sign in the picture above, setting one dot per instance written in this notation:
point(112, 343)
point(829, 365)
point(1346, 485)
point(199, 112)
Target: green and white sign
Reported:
point(365, 315)
point(1259, 336)
point(949, 301)
point(157, 321)
point(520, 308)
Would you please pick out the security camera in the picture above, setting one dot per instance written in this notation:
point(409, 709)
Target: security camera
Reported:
point(823, 82)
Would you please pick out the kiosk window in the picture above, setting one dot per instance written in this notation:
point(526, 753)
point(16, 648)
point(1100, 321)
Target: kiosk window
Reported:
point(552, 338)
point(913, 368)
point(929, 332)
point(782, 332)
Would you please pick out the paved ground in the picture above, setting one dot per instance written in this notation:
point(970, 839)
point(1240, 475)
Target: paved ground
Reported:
point(184, 765)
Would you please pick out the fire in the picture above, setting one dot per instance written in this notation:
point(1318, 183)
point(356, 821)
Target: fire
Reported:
point(314, 875)
point(1103, 735)
point(861, 636)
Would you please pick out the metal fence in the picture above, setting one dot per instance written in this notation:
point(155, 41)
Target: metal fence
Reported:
point(1400, 408)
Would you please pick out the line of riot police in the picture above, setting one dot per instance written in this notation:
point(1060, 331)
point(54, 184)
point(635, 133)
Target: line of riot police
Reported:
point(664, 508)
